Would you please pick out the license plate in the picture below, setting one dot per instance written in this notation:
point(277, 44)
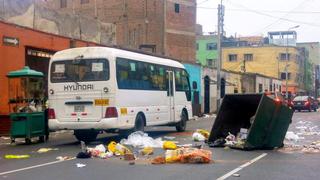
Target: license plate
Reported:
point(79, 108)
point(101, 102)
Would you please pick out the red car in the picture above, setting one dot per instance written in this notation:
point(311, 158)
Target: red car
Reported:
point(304, 103)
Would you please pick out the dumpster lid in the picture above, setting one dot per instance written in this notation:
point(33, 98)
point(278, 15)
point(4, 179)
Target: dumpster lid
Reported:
point(25, 71)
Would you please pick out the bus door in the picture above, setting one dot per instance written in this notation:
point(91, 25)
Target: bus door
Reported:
point(170, 95)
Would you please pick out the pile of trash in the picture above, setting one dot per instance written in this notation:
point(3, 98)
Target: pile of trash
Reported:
point(139, 143)
point(232, 140)
point(200, 135)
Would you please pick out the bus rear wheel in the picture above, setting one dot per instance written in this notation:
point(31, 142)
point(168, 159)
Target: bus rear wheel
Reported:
point(181, 126)
point(86, 135)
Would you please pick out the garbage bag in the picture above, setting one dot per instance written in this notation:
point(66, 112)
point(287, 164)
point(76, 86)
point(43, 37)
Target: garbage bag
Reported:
point(141, 140)
point(193, 155)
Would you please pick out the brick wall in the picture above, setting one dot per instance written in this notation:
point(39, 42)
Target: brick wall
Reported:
point(141, 22)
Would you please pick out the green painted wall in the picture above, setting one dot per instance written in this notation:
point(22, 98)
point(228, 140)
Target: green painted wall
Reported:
point(202, 53)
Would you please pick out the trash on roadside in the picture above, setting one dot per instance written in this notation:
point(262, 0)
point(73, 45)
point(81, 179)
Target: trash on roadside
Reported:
point(236, 175)
point(95, 152)
point(291, 136)
point(169, 145)
point(129, 156)
point(172, 156)
point(141, 140)
point(83, 155)
point(218, 143)
point(169, 137)
point(121, 150)
point(193, 155)
point(132, 163)
point(80, 165)
point(158, 160)
point(14, 156)
point(198, 137)
point(63, 158)
point(188, 155)
point(204, 133)
point(147, 151)
point(44, 150)
point(112, 147)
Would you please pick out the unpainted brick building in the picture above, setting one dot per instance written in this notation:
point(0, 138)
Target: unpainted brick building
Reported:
point(166, 27)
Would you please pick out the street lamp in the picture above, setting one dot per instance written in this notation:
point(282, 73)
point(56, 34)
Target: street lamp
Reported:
point(287, 60)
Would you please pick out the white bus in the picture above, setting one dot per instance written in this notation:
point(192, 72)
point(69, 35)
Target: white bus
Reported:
point(100, 88)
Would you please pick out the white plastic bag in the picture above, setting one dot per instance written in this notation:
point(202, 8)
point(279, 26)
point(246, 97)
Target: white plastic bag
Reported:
point(198, 137)
point(141, 140)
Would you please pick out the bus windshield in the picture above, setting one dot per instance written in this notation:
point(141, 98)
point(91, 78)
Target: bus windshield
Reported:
point(79, 70)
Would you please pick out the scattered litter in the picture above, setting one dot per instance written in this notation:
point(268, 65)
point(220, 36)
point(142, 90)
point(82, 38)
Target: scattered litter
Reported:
point(128, 156)
point(169, 137)
point(95, 152)
point(188, 155)
point(84, 155)
point(63, 158)
point(80, 165)
point(236, 175)
point(141, 140)
point(132, 163)
point(5, 138)
point(158, 160)
point(230, 140)
point(169, 145)
point(198, 137)
point(291, 136)
point(44, 150)
point(204, 133)
point(13, 156)
point(147, 151)
point(218, 143)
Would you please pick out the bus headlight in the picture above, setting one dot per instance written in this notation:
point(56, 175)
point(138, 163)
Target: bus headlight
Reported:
point(105, 89)
point(51, 91)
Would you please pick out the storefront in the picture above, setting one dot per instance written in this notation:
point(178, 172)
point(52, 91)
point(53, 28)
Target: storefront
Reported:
point(21, 46)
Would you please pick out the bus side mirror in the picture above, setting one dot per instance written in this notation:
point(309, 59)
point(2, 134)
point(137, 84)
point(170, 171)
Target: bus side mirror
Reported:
point(194, 85)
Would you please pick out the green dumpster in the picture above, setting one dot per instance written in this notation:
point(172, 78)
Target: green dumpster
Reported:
point(265, 120)
point(26, 105)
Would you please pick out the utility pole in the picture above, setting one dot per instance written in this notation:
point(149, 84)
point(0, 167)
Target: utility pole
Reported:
point(219, 62)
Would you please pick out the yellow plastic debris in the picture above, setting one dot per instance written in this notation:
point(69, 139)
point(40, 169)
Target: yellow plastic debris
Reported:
point(112, 146)
point(169, 145)
point(147, 151)
point(204, 133)
point(12, 156)
point(44, 150)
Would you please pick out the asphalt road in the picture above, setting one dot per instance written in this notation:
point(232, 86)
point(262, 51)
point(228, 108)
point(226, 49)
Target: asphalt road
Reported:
point(290, 162)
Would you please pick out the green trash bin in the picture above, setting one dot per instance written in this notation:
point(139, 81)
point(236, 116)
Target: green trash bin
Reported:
point(27, 105)
point(28, 125)
point(265, 119)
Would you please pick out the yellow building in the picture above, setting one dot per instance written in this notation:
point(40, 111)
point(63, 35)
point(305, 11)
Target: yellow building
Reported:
point(269, 61)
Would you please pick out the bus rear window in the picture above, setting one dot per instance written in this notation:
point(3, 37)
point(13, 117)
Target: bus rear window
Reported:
point(80, 70)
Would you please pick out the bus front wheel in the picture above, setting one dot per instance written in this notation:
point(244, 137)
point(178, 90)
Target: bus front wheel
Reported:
point(182, 124)
point(86, 135)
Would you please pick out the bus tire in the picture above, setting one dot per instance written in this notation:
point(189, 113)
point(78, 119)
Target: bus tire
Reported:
point(182, 124)
point(86, 135)
point(139, 123)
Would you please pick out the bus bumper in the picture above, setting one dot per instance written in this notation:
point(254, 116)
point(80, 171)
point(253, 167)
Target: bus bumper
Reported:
point(103, 124)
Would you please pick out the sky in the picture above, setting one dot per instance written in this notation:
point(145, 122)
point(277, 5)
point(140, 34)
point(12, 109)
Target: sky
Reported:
point(258, 17)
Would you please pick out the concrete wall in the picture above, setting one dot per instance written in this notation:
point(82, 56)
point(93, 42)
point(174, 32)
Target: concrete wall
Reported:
point(36, 16)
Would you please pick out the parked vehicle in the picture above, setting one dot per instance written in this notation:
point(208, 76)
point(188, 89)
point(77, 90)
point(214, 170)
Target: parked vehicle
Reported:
point(100, 88)
point(305, 103)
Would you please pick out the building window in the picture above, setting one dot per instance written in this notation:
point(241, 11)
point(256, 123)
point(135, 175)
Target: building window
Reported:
point(283, 56)
point(248, 57)
point(283, 76)
point(176, 7)
point(84, 1)
point(232, 57)
point(210, 62)
point(260, 88)
point(63, 3)
point(211, 46)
